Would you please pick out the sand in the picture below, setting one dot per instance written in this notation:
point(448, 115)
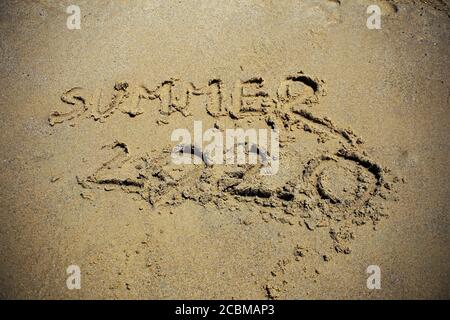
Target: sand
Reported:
point(87, 177)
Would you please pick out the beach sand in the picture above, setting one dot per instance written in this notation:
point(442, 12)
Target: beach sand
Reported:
point(87, 177)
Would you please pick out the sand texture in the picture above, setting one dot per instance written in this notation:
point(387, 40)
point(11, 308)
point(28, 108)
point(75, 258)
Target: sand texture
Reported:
point(87, 177)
